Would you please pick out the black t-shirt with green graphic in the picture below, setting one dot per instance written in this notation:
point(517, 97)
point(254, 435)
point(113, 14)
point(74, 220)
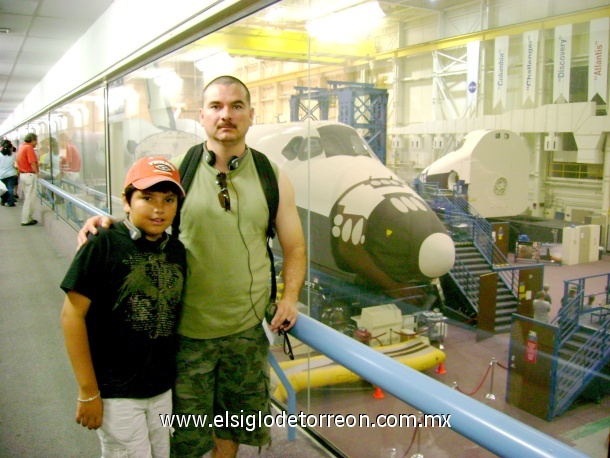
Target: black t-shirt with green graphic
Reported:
point(136, 289)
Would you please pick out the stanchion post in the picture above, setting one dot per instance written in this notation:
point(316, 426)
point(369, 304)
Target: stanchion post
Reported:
point(420, 418)
point(443, 327)
point(490, 395)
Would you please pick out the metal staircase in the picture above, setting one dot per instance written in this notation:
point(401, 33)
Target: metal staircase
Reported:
point(476, 265)
point(582, 352)
point(476, 255)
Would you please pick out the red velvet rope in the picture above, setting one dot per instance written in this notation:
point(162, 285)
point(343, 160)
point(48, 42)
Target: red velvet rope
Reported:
point(480, 384)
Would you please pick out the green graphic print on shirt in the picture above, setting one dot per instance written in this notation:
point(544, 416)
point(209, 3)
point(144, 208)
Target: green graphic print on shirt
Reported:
point(149, 294)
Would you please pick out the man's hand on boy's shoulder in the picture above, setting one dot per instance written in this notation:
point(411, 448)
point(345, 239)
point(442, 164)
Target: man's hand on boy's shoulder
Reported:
point(90, 227)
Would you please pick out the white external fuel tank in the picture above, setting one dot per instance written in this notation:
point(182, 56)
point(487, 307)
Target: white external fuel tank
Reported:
point(491, 166)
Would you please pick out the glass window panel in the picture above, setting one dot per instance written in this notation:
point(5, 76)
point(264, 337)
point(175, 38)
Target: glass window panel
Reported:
point(72, 156)
point(314, 69)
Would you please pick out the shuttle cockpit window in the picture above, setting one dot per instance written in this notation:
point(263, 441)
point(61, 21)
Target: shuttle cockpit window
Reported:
point(340, 140)
point(291, 150)
point(310, 148)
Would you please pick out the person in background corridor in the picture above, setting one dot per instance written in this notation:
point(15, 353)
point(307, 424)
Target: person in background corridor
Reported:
point(27, 163)
point(8, 172)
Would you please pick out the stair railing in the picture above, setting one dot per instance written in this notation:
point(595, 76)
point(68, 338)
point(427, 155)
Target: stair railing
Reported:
point(574, 375)
point(568, 317)
point(468, 283)
point(458, 212)
point(508, 274)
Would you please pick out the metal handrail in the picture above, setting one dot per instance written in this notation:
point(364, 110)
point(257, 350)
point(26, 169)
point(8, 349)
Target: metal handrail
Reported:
point(469, 285)
point(73, 199)
point(491, 429)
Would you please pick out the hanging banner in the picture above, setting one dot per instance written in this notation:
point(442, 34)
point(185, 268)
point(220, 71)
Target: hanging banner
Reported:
point(500, 71)
point(598, 60)
point(530, 59)
point(562, 63)
point(472, 71)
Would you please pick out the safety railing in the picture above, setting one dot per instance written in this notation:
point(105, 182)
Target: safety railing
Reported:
point(487, 427)
point(572, 376)
point(468, 283)
point(57, 198)
point(568, 318)
point(71, 199)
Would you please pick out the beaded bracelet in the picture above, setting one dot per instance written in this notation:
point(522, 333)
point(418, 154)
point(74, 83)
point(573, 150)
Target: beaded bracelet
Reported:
point(91, 398)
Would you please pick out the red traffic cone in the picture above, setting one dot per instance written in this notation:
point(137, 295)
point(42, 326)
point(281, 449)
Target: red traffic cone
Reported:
point(440, 369)
point(378, 394)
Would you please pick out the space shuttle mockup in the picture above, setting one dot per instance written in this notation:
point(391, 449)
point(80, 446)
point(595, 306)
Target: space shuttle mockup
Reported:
point(364, 220)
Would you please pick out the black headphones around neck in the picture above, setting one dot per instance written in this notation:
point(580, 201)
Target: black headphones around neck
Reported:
point(136, 233)
point(210, 158)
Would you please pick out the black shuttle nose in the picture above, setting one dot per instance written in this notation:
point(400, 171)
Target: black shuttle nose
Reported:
point(385, 224)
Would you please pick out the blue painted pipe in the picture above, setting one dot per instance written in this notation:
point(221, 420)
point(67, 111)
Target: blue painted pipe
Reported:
point(292, 397)
point(491, 429)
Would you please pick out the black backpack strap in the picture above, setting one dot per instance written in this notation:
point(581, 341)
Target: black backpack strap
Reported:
point(272, 194)
point(188, 168)
point(270, 187)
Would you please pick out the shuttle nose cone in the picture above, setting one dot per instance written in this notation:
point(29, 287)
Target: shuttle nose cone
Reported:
point(436, 255)
point(388, 235)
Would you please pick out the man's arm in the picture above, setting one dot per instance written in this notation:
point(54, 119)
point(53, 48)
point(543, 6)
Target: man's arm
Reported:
point(290, 235)
point(89, 413)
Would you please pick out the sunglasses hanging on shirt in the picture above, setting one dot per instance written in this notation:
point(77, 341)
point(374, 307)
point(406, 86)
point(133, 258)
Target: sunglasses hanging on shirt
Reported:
point(223, 195)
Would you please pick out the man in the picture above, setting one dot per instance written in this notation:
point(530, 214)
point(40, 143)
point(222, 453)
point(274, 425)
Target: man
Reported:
point(222, 355)
point(542, 307)
point(547, 296)
point(27, 163)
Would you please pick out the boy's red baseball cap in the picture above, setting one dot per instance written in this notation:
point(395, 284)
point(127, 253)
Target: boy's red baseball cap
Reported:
point(152, 170)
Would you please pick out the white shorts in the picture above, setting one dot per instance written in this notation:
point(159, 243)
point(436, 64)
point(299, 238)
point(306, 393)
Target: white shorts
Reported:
point(132, 427)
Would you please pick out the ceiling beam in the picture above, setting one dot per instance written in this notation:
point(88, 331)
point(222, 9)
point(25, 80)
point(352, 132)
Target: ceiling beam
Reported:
point(281, 45)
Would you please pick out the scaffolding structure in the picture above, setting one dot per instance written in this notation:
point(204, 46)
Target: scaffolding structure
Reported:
point(360, 105)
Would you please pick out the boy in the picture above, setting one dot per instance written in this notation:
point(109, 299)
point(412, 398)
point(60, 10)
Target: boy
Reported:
point(124, 296)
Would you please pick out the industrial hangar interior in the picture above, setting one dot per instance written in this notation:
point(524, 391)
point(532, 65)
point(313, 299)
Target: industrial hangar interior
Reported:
point(388, 117)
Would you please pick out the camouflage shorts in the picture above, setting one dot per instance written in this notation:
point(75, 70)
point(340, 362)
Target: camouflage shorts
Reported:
point(226, 377)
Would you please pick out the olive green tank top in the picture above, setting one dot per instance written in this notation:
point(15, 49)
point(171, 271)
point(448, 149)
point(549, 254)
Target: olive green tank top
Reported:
point(227, 284)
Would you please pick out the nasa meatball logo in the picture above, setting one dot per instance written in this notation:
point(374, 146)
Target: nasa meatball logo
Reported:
point(472, 87)
point(500, 186)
